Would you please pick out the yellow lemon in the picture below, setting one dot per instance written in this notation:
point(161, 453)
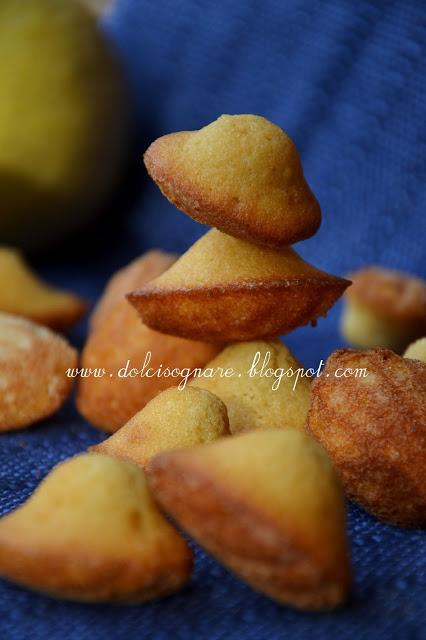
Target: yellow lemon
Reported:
point(63, 120)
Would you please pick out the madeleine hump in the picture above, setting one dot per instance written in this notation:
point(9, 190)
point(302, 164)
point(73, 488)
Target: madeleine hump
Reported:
point(252, 400)
point(23, 293)
point(269, 506)
point(226, 289)
point(241, 174)
point(92, 532)
point(175, 419)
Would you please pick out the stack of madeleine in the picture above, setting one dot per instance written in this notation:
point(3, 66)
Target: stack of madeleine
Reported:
point(227, 457)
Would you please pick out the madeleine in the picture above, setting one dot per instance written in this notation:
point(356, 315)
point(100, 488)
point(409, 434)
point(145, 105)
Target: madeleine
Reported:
point(23, 293)
point(269, 506)
point(92, 532)
point(175, 419)
point(256, 396)
point(385, 308)
point(416, 350)
point(117, 336)
point(225, 289)
point(372, 422)
point(241, 174)
point(34, 364)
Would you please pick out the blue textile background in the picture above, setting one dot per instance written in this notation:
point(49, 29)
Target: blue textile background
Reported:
point(347, 80)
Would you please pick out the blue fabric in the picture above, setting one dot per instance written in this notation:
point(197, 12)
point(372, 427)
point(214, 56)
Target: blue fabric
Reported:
point(346, 79)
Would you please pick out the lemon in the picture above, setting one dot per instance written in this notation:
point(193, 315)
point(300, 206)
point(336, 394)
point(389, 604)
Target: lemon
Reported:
point(63, 120)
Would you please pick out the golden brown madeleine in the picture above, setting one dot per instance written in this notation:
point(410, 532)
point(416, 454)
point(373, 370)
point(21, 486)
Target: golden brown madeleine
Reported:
point(92, 532)
point(416, 350)
point(33, 372)
point(117, 335)
point(174, 419)
point(385, 308)
point(143, 269)
point(241, 174)
point(225, 289)
point(23, 293)
point(255, 397)
point(268, 505)
point(374, 429)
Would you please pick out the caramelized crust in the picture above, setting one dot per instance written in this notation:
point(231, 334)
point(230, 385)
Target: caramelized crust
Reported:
point(118, 335)
point(241, 174)
point(269, 506)
point(92, 532)
point(33, 372)
point(374, 429)
point(227, 289)
point(237, 313)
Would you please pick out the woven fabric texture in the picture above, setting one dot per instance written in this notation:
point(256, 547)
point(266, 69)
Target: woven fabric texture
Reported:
point(346, 79)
